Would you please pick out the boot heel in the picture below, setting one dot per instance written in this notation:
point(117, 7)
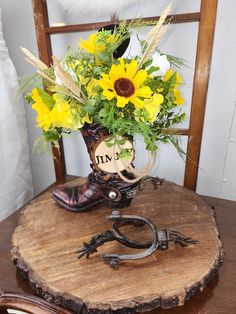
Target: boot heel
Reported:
point(127, 195)
point(120, 204)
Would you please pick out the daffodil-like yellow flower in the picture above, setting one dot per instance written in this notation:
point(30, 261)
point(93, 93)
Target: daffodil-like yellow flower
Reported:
point(93, 83)
point(153, 106)
point(43, 104)
point(91, 45)
point(61, 115)
point(168, 75)
point(124, 83)
point(178, 97)
point(90, 84)
point(56, 112)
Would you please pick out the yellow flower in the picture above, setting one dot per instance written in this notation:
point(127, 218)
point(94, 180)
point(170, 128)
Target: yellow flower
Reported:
point(178, 80)
point(43, 103)
point(62, 115)
point(153, 105)
point(159, 90)
point(169, 74)
point(124, 83)
point(56, 112)
point(92, 46)
point(91, 86)
point(178, 97)
point(83, 80)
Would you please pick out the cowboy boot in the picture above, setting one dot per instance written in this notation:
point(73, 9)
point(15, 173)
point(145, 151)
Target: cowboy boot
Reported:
point(101, 186)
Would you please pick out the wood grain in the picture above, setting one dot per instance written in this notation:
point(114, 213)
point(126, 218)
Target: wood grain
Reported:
point(28, 304)
point(47, 237)
point(41, 21)
point(206, 17)
point(200, 87)
point(174, 18)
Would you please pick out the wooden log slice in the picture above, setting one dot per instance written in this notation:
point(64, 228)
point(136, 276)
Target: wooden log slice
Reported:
point(47, 237)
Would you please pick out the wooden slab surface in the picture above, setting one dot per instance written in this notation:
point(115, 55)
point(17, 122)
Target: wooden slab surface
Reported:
point(47, 237)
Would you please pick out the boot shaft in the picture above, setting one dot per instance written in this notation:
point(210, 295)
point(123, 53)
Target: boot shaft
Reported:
point(104, 160)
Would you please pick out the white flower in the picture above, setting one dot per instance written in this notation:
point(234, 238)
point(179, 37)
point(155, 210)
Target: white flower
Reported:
point(161, 62)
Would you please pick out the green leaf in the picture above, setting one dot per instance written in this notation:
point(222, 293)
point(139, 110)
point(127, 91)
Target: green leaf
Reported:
point(46, 98)
point(28, 98)
point(90, 106)
point(147, 63)
point(152, 69)
point(52, 135)
point(125, 153)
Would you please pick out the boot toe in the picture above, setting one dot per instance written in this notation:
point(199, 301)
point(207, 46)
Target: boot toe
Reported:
point(60, 193)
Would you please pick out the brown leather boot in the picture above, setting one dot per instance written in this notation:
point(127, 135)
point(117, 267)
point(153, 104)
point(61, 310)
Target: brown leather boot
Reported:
point(101, 186)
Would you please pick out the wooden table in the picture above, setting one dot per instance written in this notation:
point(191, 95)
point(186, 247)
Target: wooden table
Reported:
point(217, 297)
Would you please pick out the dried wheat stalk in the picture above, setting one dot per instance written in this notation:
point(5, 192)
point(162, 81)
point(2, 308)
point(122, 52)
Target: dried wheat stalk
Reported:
point(67, 81)
point(46, 77)
point(70, 87)
point(34, 60)
point(155, 35)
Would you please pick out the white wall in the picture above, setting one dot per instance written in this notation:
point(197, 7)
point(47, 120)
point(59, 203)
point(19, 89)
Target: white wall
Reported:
point(18, 28)
point(217, 174)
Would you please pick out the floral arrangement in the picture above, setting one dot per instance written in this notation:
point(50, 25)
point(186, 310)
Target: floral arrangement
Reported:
point(132, 95)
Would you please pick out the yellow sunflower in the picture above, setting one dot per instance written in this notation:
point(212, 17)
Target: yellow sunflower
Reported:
point(124, 83)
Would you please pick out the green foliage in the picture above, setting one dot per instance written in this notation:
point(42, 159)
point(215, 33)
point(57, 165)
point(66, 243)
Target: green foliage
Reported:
point(91, 106)
point(176, 61)
point(125, 153)
point(86, 68)
point(53, 135)
point(46, 98)
point(27, 83)
point(28, 98)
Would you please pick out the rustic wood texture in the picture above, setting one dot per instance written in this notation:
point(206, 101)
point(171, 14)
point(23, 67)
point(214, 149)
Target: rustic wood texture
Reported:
point(217, 296)
point(200, 87)
point(47, 237)
point(10, 280)
point(45, 54)
point(206, 17)
point(174, 18)
point(28, 303)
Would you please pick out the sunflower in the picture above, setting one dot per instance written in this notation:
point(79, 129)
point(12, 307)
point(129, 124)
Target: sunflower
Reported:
point(123, 82)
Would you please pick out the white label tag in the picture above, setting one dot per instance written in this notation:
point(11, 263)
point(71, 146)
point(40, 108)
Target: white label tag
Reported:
point(107, 158)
